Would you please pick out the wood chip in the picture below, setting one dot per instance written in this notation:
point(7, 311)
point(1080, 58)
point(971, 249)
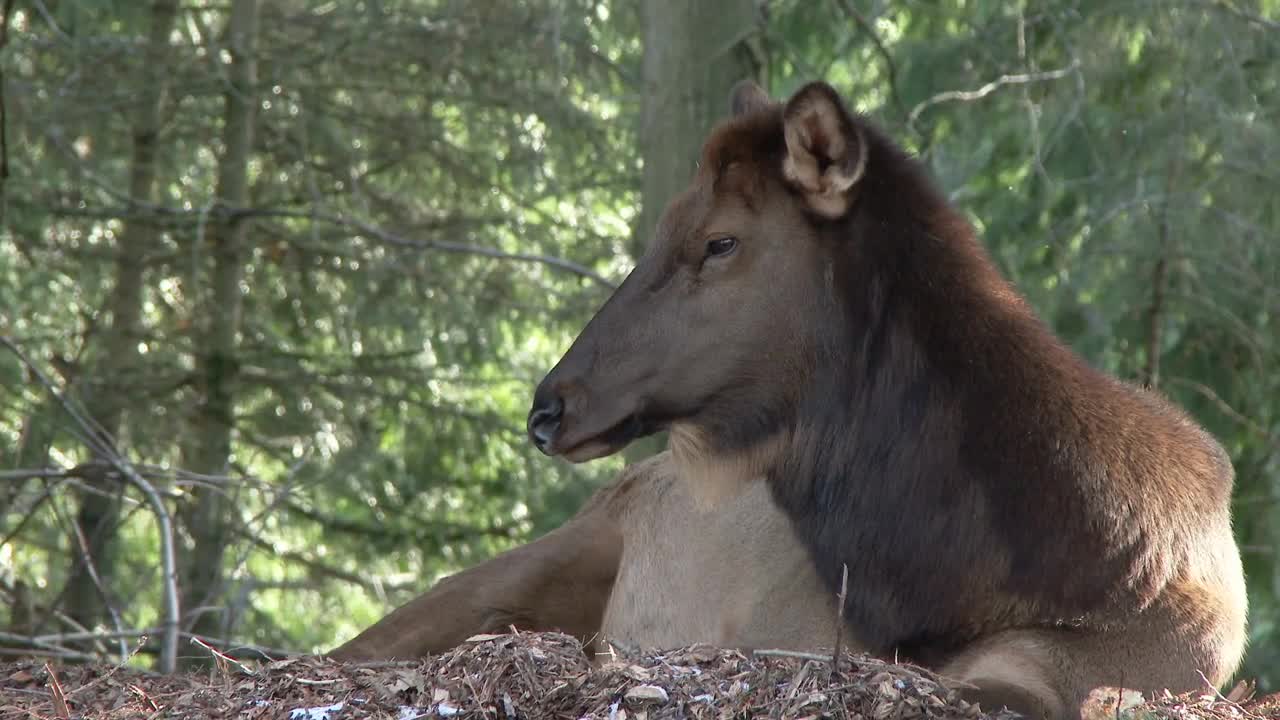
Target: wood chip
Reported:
point(647, 694)
point(547, 675)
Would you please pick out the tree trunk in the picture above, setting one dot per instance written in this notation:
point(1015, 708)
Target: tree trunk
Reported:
point(108, 389)
point(213, 420)
point(694, 53)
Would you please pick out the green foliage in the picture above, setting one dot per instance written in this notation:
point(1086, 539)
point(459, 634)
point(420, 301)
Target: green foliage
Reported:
point(383, 380)
point(1118, 159)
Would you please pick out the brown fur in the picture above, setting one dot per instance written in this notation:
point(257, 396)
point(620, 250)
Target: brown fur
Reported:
point(1008, 513)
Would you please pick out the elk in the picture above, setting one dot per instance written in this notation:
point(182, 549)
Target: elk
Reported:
point(832, 350)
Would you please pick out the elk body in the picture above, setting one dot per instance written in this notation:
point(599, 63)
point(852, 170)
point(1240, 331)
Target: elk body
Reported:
point(840, 363)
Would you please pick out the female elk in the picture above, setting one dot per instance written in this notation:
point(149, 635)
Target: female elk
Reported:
point(812, 310)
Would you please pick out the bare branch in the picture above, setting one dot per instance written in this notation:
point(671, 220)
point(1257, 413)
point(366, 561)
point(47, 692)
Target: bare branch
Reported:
point(101, 445)
point(444, 246)
point(28, 652)
point(985, 90)
point(840, 599)
point(82, 544)
point(53, 650)
point(1213, 397)
point(33, 474)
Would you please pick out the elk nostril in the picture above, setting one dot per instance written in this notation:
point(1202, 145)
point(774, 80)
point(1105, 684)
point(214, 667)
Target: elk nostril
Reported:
point(543, 422)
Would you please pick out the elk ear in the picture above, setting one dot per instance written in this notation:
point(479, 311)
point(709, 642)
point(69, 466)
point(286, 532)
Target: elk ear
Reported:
point(826, 150)
point(747, 97)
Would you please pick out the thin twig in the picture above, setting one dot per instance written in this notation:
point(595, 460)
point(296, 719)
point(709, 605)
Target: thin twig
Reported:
point(87, 558)
point(985, 90)
point(136, 647)
point(220, 655)
point(102, 446)
point(792, 654)
point(1214, 689)
point(1120, 696)
point(59, 697)
point(844, 593)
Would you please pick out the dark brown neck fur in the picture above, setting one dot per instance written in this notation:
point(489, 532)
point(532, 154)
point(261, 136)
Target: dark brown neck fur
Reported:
point(970, 469)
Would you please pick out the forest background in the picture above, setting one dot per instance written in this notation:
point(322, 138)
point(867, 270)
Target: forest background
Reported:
point(277, 279)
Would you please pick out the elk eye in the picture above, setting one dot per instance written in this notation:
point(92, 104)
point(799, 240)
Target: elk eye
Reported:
point(721, 246)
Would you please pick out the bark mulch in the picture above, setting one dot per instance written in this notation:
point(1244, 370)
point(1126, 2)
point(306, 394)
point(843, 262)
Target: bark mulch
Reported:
point(542, 675)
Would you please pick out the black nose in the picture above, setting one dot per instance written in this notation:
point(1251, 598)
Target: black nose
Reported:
point(544, 419)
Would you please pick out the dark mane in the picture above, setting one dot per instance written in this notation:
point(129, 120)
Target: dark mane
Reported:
point(946, 429)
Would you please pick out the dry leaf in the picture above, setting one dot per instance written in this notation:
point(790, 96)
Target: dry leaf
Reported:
point(647, 694)
point(406, 679)
point(816, 697)
point(1243, 691)
point(1101, 703)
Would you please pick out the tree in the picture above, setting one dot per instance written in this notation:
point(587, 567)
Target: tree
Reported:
point(106, 386)
point(213, 419)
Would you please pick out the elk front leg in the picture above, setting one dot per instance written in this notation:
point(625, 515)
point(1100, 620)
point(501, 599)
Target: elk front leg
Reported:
point(559, 582)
